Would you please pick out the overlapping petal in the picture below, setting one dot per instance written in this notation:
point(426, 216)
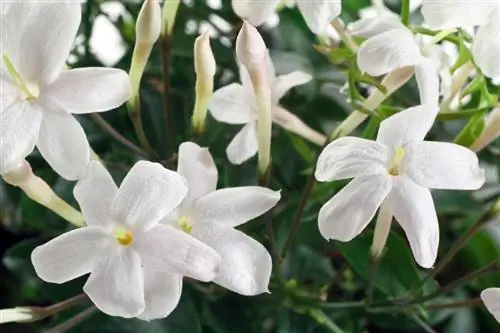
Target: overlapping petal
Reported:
point(372, 26)
point(347, 214)
point(486, 45)
point(319, 13)
point(69, 255)
point(246, 265)
point(231, 104)
point(244, 145)
point(148, 193)
point(442, 165)
point(87, 90)
point(255, 12)
point(413, 207)
point(427, 76)
point(234, 206)
point(95, 193)
point(286, 82)
point(444, 14)
point(350, 157)
point(116, 284)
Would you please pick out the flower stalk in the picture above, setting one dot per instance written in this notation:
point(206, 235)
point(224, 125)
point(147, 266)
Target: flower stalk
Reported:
point(294, 124)
point(38, 190)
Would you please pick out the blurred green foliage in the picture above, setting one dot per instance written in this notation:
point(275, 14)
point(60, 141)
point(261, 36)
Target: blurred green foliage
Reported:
point(316, 275)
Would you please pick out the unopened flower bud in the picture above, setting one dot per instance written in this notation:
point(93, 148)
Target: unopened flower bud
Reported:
point(250, 48)
point(490, 132)
point(18, 315)
point(148, 25)
point(169, 14)
point(205, 66)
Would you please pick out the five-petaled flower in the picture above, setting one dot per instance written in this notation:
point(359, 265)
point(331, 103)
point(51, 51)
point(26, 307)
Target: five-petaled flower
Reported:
point(211, 215)
point(135, 263)
point(38, 95)
point(397, 169)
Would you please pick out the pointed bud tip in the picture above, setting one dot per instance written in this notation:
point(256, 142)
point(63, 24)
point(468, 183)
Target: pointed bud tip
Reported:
point(204, 61)
point(250, 47)
point(148, 25)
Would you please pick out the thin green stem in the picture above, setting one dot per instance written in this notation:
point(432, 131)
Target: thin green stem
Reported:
point(374, 263)
point(405, 12)
point(69, 324)
point(134, 110)
point(454, 305)
point(422, 324)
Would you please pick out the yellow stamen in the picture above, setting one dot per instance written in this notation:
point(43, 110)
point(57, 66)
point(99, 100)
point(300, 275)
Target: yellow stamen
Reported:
point(399, 155)
point(17, 77)
point(183, 223)
point(124, 236)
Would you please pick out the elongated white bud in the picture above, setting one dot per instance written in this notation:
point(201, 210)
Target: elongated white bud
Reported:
point(169, 14)
point(490, 132)
point(38, 190)
point(253, 55)
point(205, 67)
point(18, 315)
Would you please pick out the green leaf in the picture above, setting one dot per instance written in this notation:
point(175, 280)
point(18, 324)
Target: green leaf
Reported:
point(471, 131)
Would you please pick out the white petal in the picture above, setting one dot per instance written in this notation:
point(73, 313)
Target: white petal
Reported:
point(235, 206)
point(116, 284)
point(166, 249)
point(231, 104)
point(255, 12)
point(486, 46)
point(197, 166)
point(350, 157)
point(347, 214)
point(443, 165)
point(372, 26)
point(88, 90)
point(246, 265)
point(148, 193)
point(491, 299)
point(13, 23)
point(47, 40)
point(444, 14)
point(162, 294)
point(69, 255)
point(244, 144)
point(19, 128)
point(286, 82)
point(388, 51)
point(412, 206)
point(95, 193)
point(63, 144)
point(409, 125)
point(427, 76)
point(319, 13)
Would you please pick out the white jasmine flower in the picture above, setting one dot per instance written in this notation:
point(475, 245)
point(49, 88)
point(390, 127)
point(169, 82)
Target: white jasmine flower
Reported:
point(37, 96)
point(445, 14)
point(135, 263)
point(391, 46)
point(491, 299)
point(317, 13)
point(398, 169)
point(211, 216)
point(236, 104)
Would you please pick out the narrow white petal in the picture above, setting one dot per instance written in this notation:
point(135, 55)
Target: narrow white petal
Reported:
point(427, 76)
point(166, 249)
point(148, 193)
point(244, 145)
point(372, 26)
point(88, 90)
point(413, 208)
point(13, 22)
point(197, 166)
point(486, 46)
point(255, 12)
point(95, 193)
point(69, 255)
point(47, 40)
point(235, 206)
point(443, 165)
point(19, 128)
point(319, 13)
point(246, 265)
point(347, 214)
point(162, 294)
point(63, 144)
point(350, 157)
point(116, 284)
point(388, 51)
point(491, 299)
point(409, 125)
point(231, 104)
point(444, 14)
point(286, 82)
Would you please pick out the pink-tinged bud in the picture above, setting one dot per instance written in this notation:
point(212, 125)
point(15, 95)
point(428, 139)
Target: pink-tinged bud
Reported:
point(250, 48)
point(148, 25)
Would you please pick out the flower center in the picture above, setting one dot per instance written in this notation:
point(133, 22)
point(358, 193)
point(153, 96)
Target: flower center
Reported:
point(395, 163)
point(124, 236)
point(30, 91)
point(183, 223)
